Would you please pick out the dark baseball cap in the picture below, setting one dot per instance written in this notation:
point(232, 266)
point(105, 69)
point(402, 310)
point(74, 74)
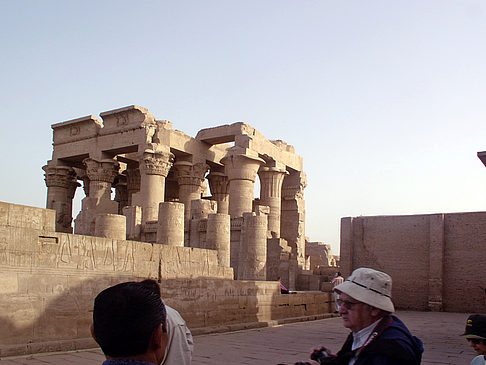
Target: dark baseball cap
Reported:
point(475, 326)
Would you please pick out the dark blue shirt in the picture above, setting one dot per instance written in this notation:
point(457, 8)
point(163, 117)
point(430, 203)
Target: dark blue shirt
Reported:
point(126, 362)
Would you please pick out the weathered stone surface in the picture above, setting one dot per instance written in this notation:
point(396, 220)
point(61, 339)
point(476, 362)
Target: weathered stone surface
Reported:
point(432, 258)
point(48, 281)
point(148, 163)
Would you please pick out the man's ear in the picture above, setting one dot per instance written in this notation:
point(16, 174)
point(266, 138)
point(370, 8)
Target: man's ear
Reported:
point(156, 338)
point(158, 343)
point(375, 312)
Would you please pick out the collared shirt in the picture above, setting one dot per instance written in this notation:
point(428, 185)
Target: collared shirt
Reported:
point(361, 337)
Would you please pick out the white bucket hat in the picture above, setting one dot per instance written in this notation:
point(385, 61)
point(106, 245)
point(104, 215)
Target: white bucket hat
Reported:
point(369, 286)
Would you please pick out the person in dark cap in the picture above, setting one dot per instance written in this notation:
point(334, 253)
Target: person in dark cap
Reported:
point(377, 337)
point(475, 334)
point(129, 324)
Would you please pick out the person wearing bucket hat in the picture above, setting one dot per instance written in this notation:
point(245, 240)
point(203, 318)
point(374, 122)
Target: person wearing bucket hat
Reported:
point(475, 334)
point(377, 337)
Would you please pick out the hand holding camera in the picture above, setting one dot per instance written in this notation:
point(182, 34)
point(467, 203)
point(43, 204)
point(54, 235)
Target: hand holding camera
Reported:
point(320, 356)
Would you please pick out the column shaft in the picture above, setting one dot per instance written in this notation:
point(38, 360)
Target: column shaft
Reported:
point(154, 167)
point(271, 180)
point(253, 248)
point(241, 171)
point(170, 227)
point(218, 237)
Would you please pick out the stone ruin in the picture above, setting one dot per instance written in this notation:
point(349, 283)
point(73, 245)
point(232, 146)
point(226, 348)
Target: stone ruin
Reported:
point(161, 196)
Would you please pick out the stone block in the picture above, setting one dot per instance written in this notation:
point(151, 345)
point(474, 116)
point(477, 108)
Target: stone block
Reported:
point(76, 129)
point(128, 118)
point(9, 283)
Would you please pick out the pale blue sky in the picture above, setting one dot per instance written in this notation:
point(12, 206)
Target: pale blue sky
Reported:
point(385, 100)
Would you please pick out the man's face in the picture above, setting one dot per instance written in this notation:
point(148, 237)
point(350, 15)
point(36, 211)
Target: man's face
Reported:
point(478, 345)
point(356, 315)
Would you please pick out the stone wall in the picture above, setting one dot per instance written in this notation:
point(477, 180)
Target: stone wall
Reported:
point(434, 259)
point(48, 281)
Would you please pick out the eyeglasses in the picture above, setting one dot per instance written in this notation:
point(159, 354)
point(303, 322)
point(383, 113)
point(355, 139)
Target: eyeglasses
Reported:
point(475, 341)
point(346, 303)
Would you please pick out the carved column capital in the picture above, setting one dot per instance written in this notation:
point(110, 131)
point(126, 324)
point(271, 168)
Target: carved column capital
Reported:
point(218, 183)
point(271, 180)
point(104, 170)
point(60, 176)
point(190, 174)
point(156, 163)
point(242, 167)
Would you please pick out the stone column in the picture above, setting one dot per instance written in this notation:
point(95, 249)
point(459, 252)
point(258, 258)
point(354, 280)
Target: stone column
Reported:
point(121, 193)
point(218, 237)
point(111, 226)
point(171, 187)
point(271, 179)
point(253, 248)
point(241, 171)
point(154, 167)
point(218, 184)
point(101, 175)
point(170, 226)
point(190, 178)
point(61, 185)
point(293, 214)
point(98, 179)
point(133, 182)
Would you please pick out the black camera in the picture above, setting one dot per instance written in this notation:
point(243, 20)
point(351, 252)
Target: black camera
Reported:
point(319, 355)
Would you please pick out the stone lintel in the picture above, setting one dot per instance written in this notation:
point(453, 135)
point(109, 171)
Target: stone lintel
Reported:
point(127, 118)
point(76, 129)
point(225, 133)
point(124, 109)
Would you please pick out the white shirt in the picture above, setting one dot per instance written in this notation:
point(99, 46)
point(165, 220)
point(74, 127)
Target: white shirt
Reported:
point(180, 346)
point(360, 338)
point(478, 360)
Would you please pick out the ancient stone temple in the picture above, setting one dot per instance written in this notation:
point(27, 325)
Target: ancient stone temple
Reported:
point(160, 178)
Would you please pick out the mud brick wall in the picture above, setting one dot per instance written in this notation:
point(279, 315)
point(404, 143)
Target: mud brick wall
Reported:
point(434, 259)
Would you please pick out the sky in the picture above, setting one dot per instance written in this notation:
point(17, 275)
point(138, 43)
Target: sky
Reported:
point(384, 100)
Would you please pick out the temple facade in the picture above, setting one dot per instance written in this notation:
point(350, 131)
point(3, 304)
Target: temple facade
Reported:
point(173, 189)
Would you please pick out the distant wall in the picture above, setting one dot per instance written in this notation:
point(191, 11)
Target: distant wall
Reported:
point(435, 260)
point(48, 281)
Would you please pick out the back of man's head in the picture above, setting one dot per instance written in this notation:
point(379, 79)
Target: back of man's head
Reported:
point(124, 318)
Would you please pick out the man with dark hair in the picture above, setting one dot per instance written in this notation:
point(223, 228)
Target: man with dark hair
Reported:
point(129, 323)
point(180, 345)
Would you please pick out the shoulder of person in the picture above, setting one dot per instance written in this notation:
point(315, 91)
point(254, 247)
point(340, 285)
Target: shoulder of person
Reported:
point(478, 360)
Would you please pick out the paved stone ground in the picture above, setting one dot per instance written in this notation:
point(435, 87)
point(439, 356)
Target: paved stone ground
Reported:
point(293, 342)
